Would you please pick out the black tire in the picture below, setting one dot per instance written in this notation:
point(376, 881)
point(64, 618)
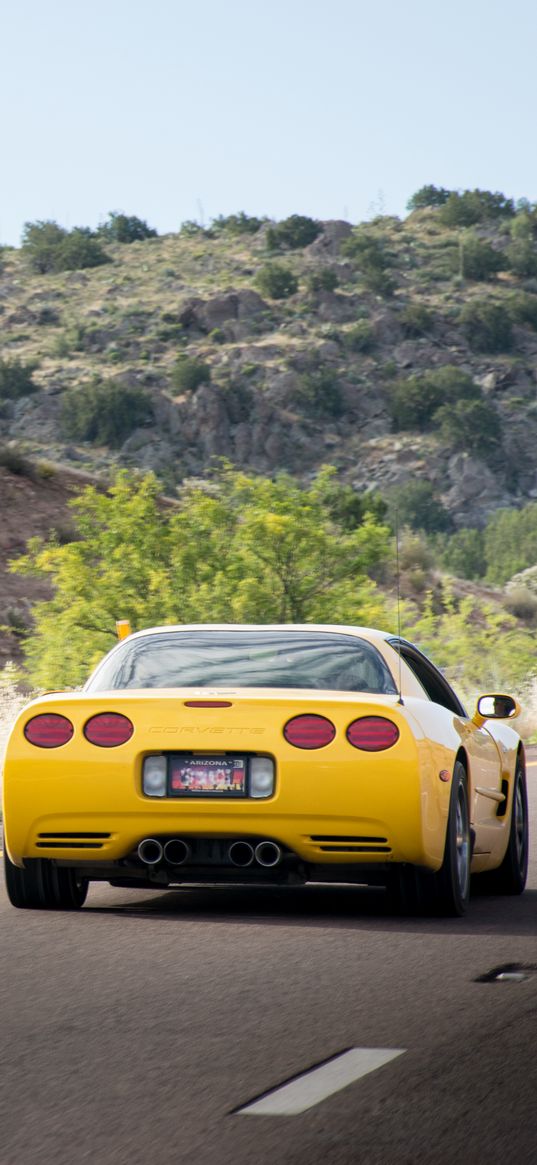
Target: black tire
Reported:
point(452, 882)
point(42, 886)
point(510, 877)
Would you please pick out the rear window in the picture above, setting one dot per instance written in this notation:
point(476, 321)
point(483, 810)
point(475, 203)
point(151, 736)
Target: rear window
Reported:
point(250, 659)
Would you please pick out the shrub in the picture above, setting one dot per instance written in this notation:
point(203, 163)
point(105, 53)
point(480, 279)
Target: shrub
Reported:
point(359, 337)
point(418, 506)
point(471, 425)
point(487, 326)
point(237, 224)
point(79, 249)
point(49, 247)
point(323, 280)
point(464, 554)
point(292, 233)
point(105, 413)
point(413, 402)
point(477, 259)
point(521, 257)
point(428, 196)
point(189, 373)
point(16, 379)
point(522, 603)
point(372, 258)
point(467, 207)
point(321, 394)
point(40, 244)
point(126, 228)
point(190, 229)
point(415, 320)
point(522, 308)
point(276, 281)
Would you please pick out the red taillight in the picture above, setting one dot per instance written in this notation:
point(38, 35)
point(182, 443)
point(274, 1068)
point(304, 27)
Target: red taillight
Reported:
point(49, 730)
point(108, 729)
point(309, 731)
point(372, 733)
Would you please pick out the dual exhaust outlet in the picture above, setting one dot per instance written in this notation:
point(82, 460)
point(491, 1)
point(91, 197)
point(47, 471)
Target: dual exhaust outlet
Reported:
point(240, 853)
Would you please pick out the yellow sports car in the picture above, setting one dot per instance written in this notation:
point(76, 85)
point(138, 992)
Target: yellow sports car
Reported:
point(264, 754)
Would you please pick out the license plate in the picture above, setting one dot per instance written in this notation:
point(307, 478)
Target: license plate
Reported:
point(210, 776)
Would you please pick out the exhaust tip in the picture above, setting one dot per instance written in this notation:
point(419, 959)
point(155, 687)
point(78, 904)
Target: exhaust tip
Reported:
point(176, 851)
point(267, 853)
point(150, 851)
point(241, 853)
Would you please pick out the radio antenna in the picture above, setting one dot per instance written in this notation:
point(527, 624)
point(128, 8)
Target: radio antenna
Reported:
point(399, 679)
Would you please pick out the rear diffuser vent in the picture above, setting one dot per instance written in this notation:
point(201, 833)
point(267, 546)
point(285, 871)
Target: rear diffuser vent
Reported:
point(71, 840)
point(344, 843)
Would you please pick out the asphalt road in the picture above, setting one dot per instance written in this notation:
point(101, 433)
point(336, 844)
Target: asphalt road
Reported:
point(132, 1032)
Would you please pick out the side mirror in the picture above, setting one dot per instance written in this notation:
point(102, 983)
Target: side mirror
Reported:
point(495, 707)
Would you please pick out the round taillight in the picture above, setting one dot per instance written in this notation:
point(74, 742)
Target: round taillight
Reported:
point(108, 729)
point(48, 730)
point(309, 731)
point(372, 733)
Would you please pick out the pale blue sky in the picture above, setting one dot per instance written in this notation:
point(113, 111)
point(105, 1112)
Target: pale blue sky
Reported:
point(333, 109)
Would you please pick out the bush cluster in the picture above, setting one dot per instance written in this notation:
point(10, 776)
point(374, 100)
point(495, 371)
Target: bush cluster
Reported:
point(372, 257)
point(477, 259)
point(416, 320)
point(49, 247)
point(16, 379)
point(323, 280)
point(428, 196)
point(237, 224)
point(104, 413)
point(467, 207)
point(487, 326)
point(125, 228)
point(360, 336)
point(416, 504)
point(276, 281)
point(189, 373)
point(320, 394)
point(292, 233)
point(449, 400)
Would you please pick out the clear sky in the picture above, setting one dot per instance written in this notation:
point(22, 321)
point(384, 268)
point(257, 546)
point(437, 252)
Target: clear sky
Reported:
point(342, 108)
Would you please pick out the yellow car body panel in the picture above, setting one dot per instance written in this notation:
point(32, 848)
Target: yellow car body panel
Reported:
point(392, 806)
point(81, 788)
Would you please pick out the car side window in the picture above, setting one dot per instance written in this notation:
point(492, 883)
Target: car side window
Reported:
point(432, 681)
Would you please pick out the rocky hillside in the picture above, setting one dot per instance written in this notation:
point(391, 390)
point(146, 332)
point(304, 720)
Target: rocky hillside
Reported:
point(247, 346)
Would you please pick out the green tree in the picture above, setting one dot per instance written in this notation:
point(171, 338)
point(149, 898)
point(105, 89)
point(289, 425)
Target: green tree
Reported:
point(292, 233)
point(41, 241)
point(471, 425)
point(80, 248)
point(510, 539)
point(368, 249)
point(477, 645)
point(416, 504)
point(487, 326)
point(467, 207)
point(242, 549)
point(237, 224)
point(463, 553)
point(276, 281)
point(16, 379)
point(49, 247)
point(477, 259)
point(428, 196)
point(105, 413)
point(320, 393)
point(188, 373)
point(522, 309)
point(413, 402)
point(126, 228)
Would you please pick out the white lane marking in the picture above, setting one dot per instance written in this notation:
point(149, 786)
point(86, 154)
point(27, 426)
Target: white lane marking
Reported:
point(314, 1086)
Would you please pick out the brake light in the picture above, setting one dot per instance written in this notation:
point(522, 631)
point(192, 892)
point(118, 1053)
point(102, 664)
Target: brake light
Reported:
point(48, 730)
point(108, 729)
point(372, 733)
point(208, 704)
point(309, 731)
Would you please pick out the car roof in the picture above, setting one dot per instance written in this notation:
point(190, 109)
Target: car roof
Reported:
point(369, 633)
